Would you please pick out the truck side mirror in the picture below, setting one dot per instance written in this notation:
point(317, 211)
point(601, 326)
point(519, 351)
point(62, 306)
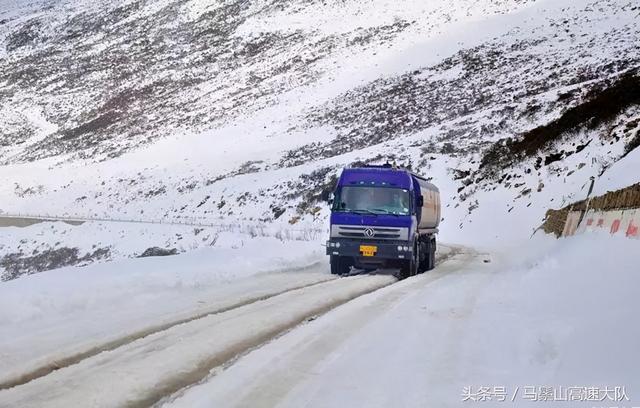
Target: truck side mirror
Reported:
point(330, 200)
point(420, 202)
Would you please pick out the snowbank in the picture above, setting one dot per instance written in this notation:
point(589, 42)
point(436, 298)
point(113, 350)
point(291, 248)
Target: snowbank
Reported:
point(622, 174)
point(122, 282)
point(564, 316)
point(41, 247)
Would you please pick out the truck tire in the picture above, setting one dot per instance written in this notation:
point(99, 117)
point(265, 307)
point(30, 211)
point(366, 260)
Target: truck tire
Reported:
point(431, 257)
point(423, 265)
point(411, 266)
point(340, 265)
point(428, 261)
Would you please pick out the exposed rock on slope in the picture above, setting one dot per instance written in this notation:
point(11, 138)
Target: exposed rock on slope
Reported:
point(179, 109)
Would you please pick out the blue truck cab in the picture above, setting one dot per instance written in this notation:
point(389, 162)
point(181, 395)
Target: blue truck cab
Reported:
point(383, 217)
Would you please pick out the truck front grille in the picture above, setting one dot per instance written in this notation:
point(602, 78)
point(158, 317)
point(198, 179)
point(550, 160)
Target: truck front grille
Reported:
point(369, 232)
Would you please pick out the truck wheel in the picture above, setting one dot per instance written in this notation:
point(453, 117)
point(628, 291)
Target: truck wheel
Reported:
point(340, 265)
point(428, 261)
point(411, 267)
point(423, 266)
point(432, 254)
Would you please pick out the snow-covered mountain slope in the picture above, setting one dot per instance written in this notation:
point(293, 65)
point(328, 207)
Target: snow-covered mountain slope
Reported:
point(198, 109)
point(114, 75)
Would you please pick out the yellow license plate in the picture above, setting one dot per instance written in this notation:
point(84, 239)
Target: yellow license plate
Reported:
point(368, 250)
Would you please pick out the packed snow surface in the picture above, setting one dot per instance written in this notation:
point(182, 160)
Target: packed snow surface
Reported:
point(143, 371)
point(49, 316)
point(555, 314)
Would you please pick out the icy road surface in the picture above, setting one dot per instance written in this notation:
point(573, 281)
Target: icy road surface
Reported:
point(54, 319)
point(518, 318)
point(542, 316)
point(44, 346)
point(145, 370)
point(321, 362)
point(151, 363)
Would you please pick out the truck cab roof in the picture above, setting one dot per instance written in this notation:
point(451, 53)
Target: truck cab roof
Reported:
point(378, 176)
point(386, 176)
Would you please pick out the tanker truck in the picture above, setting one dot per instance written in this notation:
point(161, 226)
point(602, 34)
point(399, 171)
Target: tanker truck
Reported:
point(383, 217)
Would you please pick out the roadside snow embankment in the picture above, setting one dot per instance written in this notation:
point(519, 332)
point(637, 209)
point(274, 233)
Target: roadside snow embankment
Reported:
point(566, 315)
point(53, 244)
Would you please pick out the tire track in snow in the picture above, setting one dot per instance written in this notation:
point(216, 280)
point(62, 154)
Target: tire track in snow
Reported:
point(204, 367)
point(144, 371)
point(113, 344)
point(270, 389)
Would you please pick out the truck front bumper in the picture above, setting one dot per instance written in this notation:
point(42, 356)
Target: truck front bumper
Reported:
point(361, 249)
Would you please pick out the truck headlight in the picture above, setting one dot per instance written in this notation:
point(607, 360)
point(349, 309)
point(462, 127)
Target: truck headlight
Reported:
point(337, 245)
point(400, 248)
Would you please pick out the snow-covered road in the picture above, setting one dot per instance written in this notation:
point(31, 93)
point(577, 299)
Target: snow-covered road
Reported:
point(140, 367)
point(518, 318)
point(350, 351)
point(534, 326)
point(141, 372)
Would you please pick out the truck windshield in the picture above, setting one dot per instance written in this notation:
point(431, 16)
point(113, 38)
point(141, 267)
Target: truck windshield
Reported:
point(373, 200)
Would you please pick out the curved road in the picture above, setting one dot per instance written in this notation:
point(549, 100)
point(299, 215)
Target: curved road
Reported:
point(162, 363)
